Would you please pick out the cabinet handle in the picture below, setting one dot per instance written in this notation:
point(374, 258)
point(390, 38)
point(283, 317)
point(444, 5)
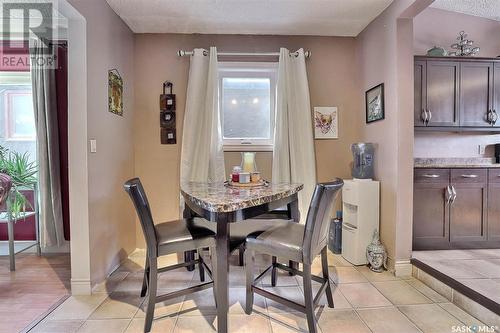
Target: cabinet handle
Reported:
point(429, 116)
point(433, 176)
point(448, 194)
point(489, 117)
point(423, 116)
point(495, 117)
point(454, 194)
point(470, 176)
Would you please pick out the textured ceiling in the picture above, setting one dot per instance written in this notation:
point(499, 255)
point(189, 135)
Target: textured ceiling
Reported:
point(276, 17)
point(489, 9)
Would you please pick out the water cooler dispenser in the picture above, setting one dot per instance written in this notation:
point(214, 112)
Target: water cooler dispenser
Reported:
point(360, 203)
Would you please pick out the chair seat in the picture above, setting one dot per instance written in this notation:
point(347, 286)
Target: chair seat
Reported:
point(284, 241)
point(241, 230)
point(182, 235)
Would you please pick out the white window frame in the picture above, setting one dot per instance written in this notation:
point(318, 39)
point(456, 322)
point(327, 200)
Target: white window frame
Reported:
point(249, 70)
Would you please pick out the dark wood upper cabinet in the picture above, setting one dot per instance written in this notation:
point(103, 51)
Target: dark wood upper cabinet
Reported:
point(476, 94)
point(442, 93)
point(468, 208)
point(496, 92)
point(420, 98)
point(453, 92)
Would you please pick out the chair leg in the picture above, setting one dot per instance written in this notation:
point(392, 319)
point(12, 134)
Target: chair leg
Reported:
point(249, 261)
point(146, 277)
point(153, 278)
point(324, 265)
point(274, 275)
point(308, 297)
point(241, 253)
point(200, 267)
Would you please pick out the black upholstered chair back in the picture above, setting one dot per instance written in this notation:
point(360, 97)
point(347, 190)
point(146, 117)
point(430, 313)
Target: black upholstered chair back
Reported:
point(318, 218)
point(138, 195)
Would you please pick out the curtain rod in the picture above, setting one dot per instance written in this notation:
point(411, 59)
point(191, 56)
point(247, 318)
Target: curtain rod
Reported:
point(182, 53)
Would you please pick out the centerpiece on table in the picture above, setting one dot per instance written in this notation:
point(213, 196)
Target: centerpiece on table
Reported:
point(246, 174)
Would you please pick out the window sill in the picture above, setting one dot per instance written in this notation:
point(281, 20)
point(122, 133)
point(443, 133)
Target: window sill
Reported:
point(251, 148)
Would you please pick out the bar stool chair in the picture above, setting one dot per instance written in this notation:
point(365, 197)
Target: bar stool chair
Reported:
point(299, 243)
point(167, 238)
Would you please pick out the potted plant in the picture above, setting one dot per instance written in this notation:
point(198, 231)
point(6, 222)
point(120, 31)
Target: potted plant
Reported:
point(22, 171)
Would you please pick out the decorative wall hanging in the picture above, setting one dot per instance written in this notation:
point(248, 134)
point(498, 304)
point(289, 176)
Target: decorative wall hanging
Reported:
point(115, 92)
point(464, 46)
point(326, 123)
point(374, 99)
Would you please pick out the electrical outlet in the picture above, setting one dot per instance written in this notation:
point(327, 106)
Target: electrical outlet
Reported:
point(93, 145)
point(482, 149)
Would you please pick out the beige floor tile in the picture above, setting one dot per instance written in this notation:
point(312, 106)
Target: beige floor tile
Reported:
point(58, 326)
point(346, 275)
point(283, 280)
point(119, 305)
point(237, 301)
point(387, 320)
point(292, 293)
point(160, 325)
point(176, 279)
point(430, 318)
point(199, 304)
point(168, 308)
point(373, 276)
point(132, 264)
point(400, 293)
point(460, 314)
point(342, 321)
point(131, 283)
point(427, 291)
point(237, 276)
point(195, 324)
point(339, 300)
point(249, 324)
point(363, 295)
point(109, 285)
point(77, 307)
point(282, 322)
point(108, 326)
point(337, 260)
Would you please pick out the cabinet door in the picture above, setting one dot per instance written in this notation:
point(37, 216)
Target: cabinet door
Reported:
point(468, 210)
point(442, 93)
point(496, 92)
point(476, 93)
point(494, 205)
point(430, 209)
point(420, 93)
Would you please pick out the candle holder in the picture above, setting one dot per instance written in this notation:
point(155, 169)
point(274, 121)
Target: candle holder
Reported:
point(248, 162)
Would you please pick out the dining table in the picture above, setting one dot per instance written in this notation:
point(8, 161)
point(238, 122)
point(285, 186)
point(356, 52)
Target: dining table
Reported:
point(224, 204)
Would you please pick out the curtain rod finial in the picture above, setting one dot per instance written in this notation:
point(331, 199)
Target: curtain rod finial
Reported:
point(181, 53)
point(307, 54)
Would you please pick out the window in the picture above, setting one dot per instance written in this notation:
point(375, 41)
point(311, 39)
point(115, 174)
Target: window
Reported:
point(247, 100)
point(17, 120)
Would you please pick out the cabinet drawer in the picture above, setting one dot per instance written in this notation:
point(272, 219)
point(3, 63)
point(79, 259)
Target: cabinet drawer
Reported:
point(469, 176)
point(432, 175)
point(494, 175)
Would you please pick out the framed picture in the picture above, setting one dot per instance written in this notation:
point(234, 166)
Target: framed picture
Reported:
point(115, 92)
point(375, 109)
point(326, 123)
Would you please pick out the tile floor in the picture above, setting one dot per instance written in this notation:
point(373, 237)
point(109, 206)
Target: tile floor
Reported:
point(477, 269)
point(364, 302)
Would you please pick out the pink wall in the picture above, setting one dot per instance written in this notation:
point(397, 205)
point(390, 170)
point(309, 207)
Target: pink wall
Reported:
point(110, 44)
point(385, 52)
point(439, 27)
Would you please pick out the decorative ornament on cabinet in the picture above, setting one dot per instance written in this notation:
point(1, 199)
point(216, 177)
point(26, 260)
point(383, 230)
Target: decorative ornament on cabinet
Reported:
point(463, 47)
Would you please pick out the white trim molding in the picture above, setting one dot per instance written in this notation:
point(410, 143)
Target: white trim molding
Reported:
point(402, 268)
point(81, 287)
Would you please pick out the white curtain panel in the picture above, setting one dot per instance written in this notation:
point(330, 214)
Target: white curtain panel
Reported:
point(47, 133)
point(202, 157)
point(293, 156)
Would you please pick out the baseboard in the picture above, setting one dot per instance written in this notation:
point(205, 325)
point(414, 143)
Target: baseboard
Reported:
point(402, 268)
point(81, 287)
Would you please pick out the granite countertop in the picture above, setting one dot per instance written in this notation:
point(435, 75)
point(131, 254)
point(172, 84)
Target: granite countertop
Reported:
point(219, 198)
point(473, 162)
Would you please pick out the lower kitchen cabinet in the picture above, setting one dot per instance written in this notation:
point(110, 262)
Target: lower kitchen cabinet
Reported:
point(468, 207)
point(431, 222)
point(456, 208)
